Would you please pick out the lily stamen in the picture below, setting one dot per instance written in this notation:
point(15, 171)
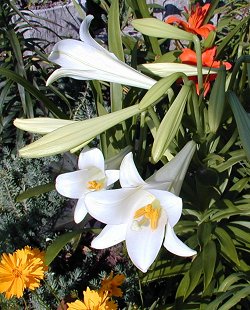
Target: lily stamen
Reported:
point(95, 185)
point(150, 213)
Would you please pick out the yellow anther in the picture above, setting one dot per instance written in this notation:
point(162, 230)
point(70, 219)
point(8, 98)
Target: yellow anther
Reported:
point(150, 213)
point(94, 185)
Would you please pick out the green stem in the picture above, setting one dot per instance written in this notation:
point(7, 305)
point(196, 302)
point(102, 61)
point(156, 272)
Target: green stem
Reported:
point(197, 46)
point(195, 102)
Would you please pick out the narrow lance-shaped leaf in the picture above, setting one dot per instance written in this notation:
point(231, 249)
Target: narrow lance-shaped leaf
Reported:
point(170, 124)
point(115, 46)
point(227, 245)
point(58, 244)
point(31, 89)
point(70, 136)
point(242, 119)
point(209, 254)
point(217, 101)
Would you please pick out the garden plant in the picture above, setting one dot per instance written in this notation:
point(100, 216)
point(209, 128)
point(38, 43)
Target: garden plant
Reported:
point(125, 162)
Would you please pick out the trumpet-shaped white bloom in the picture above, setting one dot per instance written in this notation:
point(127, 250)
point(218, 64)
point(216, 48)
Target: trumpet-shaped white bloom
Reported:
point(141, 212)
point(90, 177)
point(88, 60)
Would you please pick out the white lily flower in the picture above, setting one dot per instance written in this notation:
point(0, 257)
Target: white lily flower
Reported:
point(90, 177)
point(88, 60)
point(141, 212)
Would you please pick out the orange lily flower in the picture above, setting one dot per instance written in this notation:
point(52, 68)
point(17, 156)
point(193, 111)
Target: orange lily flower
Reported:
point(195, 21)
point(188, 56)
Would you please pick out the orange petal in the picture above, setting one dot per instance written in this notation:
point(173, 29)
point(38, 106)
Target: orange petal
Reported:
point(188, 56)
point(204, 31)
point(178, 21)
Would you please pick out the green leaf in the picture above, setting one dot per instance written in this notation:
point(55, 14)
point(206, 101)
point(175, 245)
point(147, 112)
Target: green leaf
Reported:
point(164, 269)
point(34, 91)
point(204, 233)
point(79, 9)
point(183, 287)
point(215, 304)
point(241, 234)
point(230, 35)
point(217, 101)
point(70, 136)
point(58, 245)
point(236, 298)
point(114, 32)
point(242, 119)
point(227, 245)
point(195, 272)
point(209, 254)
point(143, 8)
point(35, 191)
point(229, 281)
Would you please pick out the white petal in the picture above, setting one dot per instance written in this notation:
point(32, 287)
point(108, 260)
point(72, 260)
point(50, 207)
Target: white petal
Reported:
point(71, 184)
point(109, 236)
point(144, 244)
point(74, 184)
point(171, 203)
point(103, 74)
point(91, 158)
point(112, 176)
point(86, 37)
point(111, 206)
point(175, 170)
point(129, 175)
point(80, 211)
point(174, 245)
point(70, 54)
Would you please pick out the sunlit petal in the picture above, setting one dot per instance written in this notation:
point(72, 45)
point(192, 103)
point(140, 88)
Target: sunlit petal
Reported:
point(86, 37)
point(89, 60)
point(109, 236)
point(171, 203)
point(80, 210)
point(144, 244)
point(112, 176)
point(174, 245)
point(129, 176)
point(73, 184)
point(110, 207)
point(92, 157)
point(175, 170)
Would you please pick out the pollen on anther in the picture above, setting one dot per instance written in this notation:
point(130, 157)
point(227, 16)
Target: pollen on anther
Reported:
point(94, 185)
point(150, 213)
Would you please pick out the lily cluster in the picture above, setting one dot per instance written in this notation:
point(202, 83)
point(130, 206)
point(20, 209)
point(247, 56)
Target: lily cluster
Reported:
point(143, 213)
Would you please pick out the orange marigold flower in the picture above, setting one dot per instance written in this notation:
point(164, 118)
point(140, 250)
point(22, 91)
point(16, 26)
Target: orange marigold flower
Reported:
point(188, 56)
point(23, 269)
point(93, 300)
point(195, 21)
point(111, 284)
